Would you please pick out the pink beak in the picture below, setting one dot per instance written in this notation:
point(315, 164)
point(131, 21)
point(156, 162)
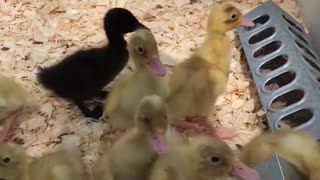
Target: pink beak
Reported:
point(246, 22)
point(159, 144)
point(240, 170)
point(157, 67)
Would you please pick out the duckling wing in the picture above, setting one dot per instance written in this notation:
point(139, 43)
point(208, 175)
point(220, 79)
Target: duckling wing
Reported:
point(114, 97)
point(178, 78)
point(219, 80)
point(12, 97)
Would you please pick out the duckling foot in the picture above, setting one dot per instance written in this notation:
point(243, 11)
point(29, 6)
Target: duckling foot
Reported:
point(96, 113)
point(200, 125)
point(194, 126)
point(221, 132)
point(8, 129)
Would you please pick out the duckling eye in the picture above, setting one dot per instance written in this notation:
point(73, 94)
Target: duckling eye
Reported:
point(6, 160)
point(234, 16)
point(215, 160)
point(146, 121)
point(140, 50)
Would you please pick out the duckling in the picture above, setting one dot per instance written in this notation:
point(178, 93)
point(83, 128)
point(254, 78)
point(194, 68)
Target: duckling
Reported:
point(63, 164)
point(85, 73)
point(14, 103)
point(13, 162)
point(132, 155)
point(199, 80)
point(146, 79)
point(287, 145)
point(200, 157)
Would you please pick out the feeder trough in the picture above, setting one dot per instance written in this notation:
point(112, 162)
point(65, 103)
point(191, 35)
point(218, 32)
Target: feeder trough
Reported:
point(286, 71)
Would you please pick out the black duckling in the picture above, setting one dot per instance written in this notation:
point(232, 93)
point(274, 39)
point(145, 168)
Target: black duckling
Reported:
point(85, 73)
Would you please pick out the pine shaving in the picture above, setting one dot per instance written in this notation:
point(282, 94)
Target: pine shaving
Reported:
point(40, 33)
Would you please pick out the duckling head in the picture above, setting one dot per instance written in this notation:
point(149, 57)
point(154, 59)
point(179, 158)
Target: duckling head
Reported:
point(225, 17)
point(143, 50)
point(119, 21)
point(214, 158)
point(151, 117)
point(12, 160)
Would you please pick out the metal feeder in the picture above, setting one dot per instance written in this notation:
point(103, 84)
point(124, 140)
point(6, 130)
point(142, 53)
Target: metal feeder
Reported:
point(286, 72)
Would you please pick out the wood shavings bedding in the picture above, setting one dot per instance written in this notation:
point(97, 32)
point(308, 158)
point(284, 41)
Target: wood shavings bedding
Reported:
point(38, 32)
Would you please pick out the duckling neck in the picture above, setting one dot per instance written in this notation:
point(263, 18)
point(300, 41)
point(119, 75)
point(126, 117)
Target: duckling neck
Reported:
point(139, 65)
point(115, 38)
point(216, 35)
point(142, 133)
point(190, 168)
point(143, 137)
point(216, 50)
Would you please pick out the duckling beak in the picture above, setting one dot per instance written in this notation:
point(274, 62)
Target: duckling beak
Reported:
point(157, 67)
point(159, 144)
point(246, 22)
point(240, 170)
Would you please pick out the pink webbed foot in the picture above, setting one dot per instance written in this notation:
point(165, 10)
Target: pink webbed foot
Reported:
point(197, 125)
point(11, 122)
point(193, 126)
point(221, 132)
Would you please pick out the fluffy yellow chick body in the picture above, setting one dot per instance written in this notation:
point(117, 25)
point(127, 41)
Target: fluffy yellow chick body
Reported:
point(298, 148)
point(12, 97)
point(199, 80)
point(145, 80)
point(201, 158)
point(14, 105)
point(131, 157)
point(13, 162)
point(63, 164)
